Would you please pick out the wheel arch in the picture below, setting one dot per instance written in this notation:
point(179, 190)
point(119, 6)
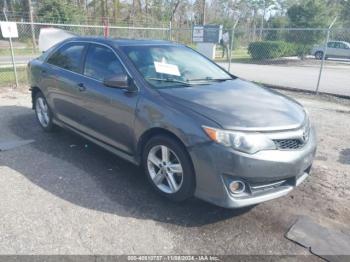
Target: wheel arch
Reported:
point(155, 131)
point(318, 51)
point(34, 90)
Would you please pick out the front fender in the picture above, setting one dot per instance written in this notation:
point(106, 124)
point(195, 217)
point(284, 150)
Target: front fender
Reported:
point(156, 112)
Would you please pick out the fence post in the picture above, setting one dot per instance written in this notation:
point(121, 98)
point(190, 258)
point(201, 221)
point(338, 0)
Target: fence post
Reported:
point(231, 44)
point(13, 62)
point(170, 31)
point(324, 55)
point(31, 24)
point(230, 51)
point(11, 48)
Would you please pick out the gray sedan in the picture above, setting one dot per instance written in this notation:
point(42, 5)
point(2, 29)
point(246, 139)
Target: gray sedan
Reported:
point(335, 49)
point(194, 128)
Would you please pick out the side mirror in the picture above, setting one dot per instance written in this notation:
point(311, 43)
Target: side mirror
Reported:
point(118, 81)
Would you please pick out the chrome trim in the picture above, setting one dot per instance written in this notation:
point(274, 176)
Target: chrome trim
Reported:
point(301, 179)
point(253, 200)
point(268, 185)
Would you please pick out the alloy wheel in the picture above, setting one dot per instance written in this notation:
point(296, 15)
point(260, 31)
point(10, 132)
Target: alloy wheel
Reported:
point(165, 169)
point(42, 111)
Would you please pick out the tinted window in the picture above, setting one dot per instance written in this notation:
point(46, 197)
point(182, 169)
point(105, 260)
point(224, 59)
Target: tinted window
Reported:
point(331, 44)
point(342, 45)
point(337, 45)
point(68, 57)
point(101, 63)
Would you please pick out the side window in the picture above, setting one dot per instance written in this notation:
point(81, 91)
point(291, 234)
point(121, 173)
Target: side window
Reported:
point(331, 45)
point(337, 45)
point(68, 57)
point(101, 63)
point(343, 46)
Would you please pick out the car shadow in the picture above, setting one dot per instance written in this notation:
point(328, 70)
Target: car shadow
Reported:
point(86, 175)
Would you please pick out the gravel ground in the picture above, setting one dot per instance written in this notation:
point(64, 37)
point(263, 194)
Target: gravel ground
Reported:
point(64, 195)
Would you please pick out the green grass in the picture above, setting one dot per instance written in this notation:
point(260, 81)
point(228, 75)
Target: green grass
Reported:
point(18, 51)
point(237, 55)
point(7, 77)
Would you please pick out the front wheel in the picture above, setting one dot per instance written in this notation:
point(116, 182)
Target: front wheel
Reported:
point(169, 168)
point(319, 55)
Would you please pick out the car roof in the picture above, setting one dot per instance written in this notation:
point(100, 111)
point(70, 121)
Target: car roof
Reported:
point(122, 41)
point(338, 41)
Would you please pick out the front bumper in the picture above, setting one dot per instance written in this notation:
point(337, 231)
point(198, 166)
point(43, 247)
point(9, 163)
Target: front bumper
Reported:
point(268, 174)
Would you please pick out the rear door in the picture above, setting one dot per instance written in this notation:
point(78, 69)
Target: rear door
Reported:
point(63, 74)
point(344, 50)
point(108, 113)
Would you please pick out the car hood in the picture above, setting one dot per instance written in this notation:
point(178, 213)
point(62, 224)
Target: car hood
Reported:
point(239, 105)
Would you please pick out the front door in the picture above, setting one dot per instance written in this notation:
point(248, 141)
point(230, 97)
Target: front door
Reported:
point(332, 50)
point(108, 113)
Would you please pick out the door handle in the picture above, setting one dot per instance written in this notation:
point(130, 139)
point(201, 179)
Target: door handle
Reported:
point(81, 87)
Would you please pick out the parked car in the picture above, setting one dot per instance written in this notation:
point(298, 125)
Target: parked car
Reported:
point(335, 49)
point(195, 129)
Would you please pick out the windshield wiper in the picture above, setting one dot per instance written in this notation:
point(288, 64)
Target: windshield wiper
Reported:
point(210, 79)
point(171, 80)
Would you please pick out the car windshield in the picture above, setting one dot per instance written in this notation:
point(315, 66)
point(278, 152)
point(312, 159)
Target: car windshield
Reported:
point(165, 66)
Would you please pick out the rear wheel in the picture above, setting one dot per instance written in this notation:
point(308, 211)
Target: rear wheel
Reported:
point(169, 168)
point(43, 113)
point(319, 55)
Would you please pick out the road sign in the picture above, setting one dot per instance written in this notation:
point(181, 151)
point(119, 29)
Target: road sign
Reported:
point(198, 34)
point(9, 29)
point(207, 34)
point(212, 33)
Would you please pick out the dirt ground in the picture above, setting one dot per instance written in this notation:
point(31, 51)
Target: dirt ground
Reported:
point(64, 195)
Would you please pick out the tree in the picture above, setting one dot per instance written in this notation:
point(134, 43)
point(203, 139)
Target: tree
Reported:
point(309, 14)
point(276, 22)
point(59, 11)
point(345, 13)
point(116, 10)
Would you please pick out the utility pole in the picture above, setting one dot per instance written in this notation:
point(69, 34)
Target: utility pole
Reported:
point(262, 20)
point(324, 54)
point(30, 6)
point(232, 42)
point(203, 12)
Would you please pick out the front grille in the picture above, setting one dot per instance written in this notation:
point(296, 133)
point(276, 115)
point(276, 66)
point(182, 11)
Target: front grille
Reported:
point(286, 144)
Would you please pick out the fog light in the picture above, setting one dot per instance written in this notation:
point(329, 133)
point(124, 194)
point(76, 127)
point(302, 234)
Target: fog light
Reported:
point(237, 187)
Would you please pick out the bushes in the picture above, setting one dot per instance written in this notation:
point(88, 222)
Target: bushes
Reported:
point(302, 50)
point(273, 49)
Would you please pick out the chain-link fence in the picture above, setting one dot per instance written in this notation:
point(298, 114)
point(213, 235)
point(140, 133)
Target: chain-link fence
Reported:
point(25, 47)
point(287, 57)
point(308, 59)
point(282, 57)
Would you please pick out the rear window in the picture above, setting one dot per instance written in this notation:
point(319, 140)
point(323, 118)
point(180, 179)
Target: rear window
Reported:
point(68, 57)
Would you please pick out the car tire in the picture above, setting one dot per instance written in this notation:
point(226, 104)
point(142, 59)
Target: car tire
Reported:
point(43, 113)
point(319, 55)
point(176, 186)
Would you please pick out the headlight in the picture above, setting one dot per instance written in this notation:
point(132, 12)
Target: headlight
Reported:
point(241, 141)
